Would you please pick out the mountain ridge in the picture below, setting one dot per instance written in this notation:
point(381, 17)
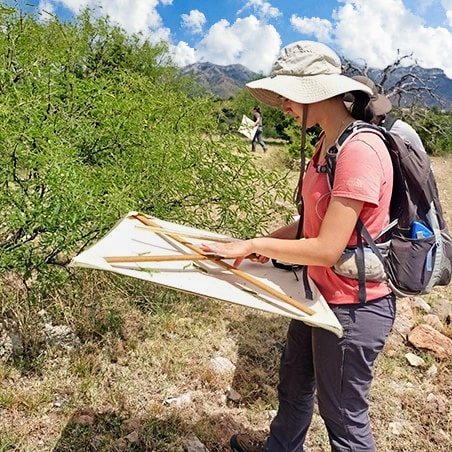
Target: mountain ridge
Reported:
point(429, 85)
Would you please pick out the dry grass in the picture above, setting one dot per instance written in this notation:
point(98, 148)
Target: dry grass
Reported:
point(142, 345)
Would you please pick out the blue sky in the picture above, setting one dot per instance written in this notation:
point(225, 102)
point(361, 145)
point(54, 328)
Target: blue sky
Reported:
point(252, 32)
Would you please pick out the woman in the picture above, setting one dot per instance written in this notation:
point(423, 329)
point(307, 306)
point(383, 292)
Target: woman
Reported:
point(306, 82)
point(257, 117)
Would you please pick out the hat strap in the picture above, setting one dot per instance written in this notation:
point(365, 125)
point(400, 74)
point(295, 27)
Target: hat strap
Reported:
point(297, 196)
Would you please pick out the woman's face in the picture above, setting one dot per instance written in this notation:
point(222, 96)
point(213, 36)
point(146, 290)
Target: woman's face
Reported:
point(295, 109)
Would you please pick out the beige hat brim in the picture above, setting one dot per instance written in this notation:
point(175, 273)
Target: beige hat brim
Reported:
point(305, 90)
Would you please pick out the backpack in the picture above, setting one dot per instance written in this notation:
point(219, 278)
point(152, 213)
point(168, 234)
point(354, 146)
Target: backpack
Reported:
point(388, 122)
point(416, 249)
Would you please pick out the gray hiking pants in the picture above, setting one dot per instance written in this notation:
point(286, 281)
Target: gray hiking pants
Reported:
point(258, 139)
point(339, 369)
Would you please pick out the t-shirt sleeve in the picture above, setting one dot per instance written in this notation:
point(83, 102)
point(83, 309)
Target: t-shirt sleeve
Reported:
point(359, 171)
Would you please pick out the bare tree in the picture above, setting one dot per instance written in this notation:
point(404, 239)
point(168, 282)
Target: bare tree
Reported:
point(405, 88)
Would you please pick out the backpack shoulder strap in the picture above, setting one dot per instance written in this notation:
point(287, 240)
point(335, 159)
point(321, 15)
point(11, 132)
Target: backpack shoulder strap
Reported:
point(352, 130)
point(388, 122)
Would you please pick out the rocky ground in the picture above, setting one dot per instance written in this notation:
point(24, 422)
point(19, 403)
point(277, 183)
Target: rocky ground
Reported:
point(168, 372)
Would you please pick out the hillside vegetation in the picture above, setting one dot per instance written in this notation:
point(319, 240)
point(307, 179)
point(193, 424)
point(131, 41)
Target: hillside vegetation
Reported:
point(94, 124)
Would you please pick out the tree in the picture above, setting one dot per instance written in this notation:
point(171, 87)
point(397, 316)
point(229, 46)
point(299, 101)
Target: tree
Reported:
point(95, 123)
point(409, 93)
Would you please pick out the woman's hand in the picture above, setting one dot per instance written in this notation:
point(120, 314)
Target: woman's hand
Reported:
point(240, 249)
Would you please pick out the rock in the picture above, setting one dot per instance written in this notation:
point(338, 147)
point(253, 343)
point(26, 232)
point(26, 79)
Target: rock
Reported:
point(432, 370)
point(84, 416)
point(421, 304)
point(133, 438)
point(414, 360)
point(132, 424)
point(398, 428)
point(222, 365)
point(425, 337)
point(183, 399)
point(442, 308)
point(193, 444)
point(61, 335)
point(11, 345)
point(233, 395)
point(434, 321)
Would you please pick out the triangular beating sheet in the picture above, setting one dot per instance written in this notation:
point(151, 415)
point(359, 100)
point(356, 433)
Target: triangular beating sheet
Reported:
point(130, 237)
point(247, 127)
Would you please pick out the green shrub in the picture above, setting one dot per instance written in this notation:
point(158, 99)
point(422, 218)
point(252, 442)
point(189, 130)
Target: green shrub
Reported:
point(95, 124)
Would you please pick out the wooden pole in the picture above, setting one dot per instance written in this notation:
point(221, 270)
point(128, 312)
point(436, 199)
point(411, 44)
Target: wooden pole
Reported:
point(156, 258)
point(241, 274)
point(186, 234)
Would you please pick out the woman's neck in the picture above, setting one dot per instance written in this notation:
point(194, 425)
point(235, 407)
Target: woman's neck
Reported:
point(334, 128)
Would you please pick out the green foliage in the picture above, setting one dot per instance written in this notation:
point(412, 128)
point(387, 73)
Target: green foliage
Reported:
point(94, 124)
point(293, 131)
point(435, 129)
point(275, 121)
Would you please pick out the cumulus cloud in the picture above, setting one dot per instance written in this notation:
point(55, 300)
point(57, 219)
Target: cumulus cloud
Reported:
point(387, 32)
point(133, 16)
point(46, 6)
point(320, 28)
point(263, 10)
point(379, 35)
point(447, 5)
point(183, 54)
point(194, 21)
point(358, 29)
point(247, 41)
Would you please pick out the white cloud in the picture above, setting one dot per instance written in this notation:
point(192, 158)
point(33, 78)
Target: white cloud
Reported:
point(375, 34)
point(379, 35)
point(320, 28)
point(447, 5)
point(194, 21)
point(183, 54)
point(132, 15)
point(247, 41)
point(263, 10)
point(46, 6)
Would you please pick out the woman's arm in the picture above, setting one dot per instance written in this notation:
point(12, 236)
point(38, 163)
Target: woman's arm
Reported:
point(323, 250)
point(288, 231)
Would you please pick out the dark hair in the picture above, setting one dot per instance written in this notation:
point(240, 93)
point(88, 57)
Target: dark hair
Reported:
point(362, 106)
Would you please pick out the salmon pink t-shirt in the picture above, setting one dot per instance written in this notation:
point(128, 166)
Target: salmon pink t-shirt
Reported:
point(363, 172)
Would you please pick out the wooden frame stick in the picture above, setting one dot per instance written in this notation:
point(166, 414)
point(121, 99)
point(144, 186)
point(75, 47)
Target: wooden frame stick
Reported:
point(157, 258)
point(241, 274)
point(186, 234)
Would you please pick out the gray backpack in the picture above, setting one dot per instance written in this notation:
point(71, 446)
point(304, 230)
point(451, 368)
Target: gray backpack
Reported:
point(415, 251)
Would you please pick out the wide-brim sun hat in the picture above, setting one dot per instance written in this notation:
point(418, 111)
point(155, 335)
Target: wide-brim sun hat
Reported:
point(305, 72)
point(380, 103)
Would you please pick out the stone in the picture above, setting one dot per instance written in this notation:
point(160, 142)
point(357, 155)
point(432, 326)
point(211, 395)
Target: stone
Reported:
point(233, 395)
point(403, 324)
point(221, 365)
point(442, 308)
point(434, 321)
point(432, 371)
point(414, 360)
point(11, 345)
point(193, 444)
point(425, 337)
point(182, 400)
point(61, 336)
point(421, 304)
